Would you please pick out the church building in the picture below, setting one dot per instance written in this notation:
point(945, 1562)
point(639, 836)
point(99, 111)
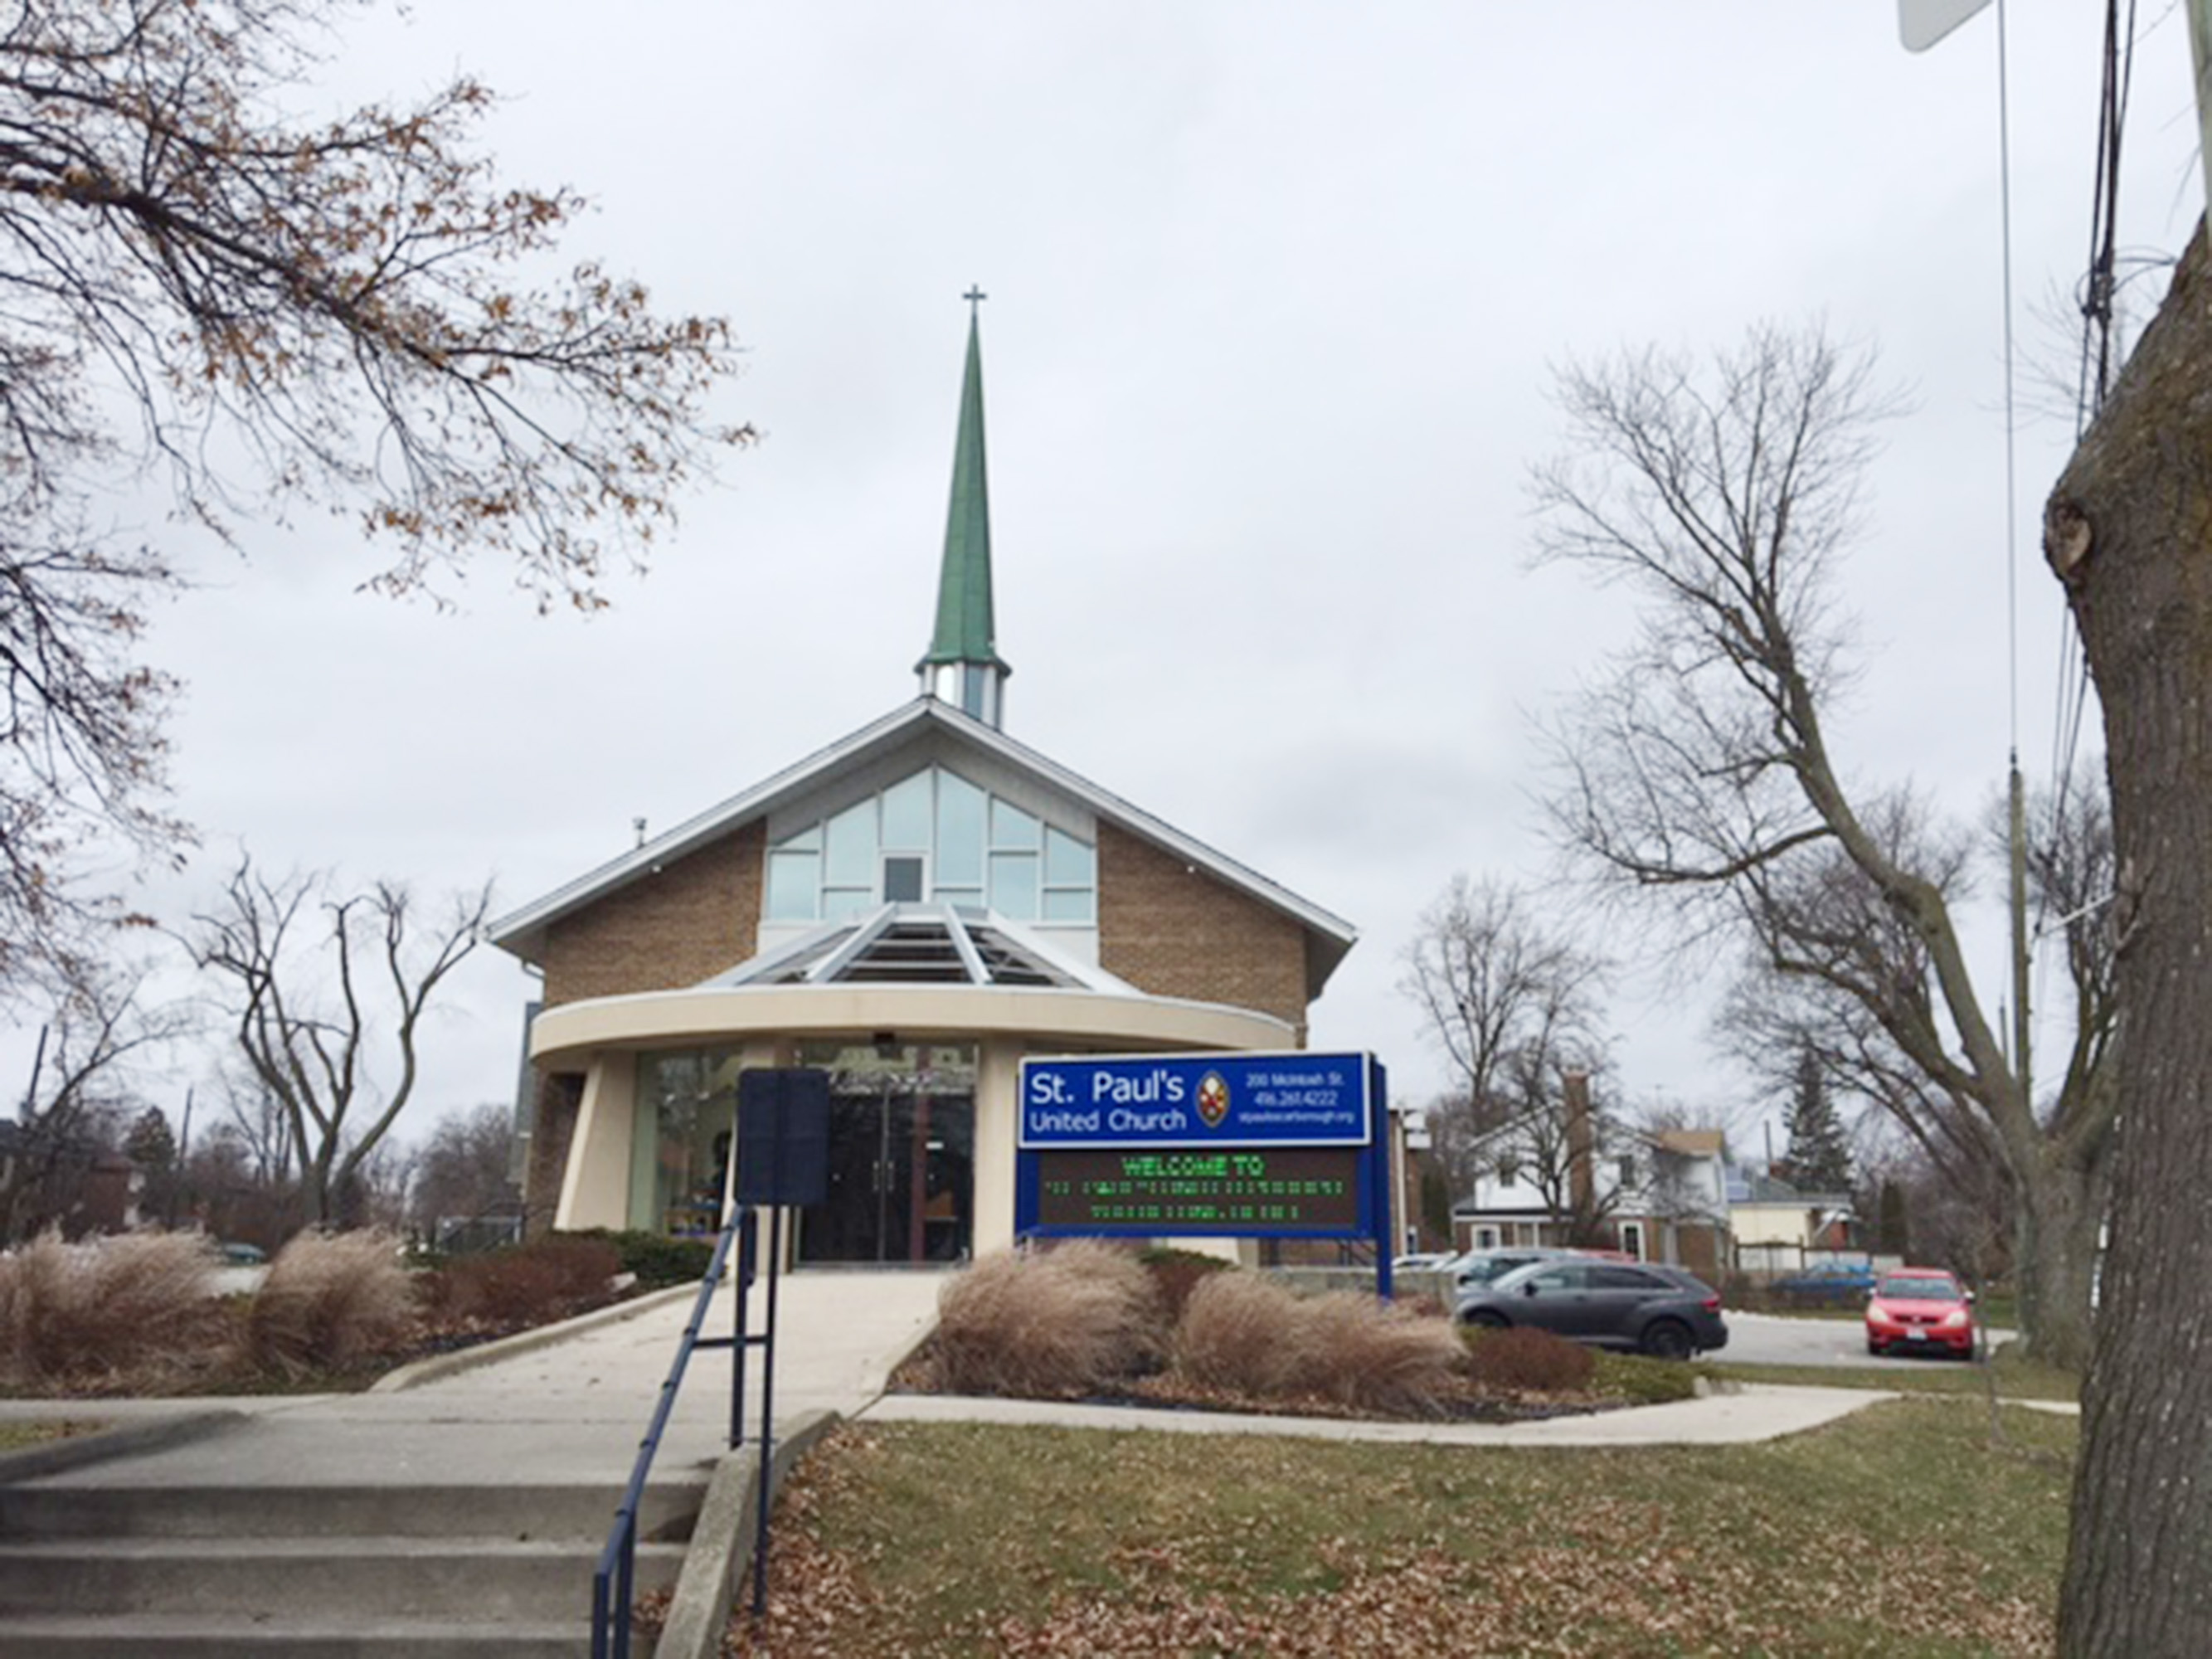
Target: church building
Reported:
point(915, 909)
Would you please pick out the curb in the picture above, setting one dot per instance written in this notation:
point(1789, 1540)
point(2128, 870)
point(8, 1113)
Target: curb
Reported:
point(76, 1451)
point(442, 1366)
point(722, 1541)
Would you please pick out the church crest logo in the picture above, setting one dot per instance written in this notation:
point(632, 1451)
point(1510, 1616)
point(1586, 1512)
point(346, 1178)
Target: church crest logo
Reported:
point(1213, 1099)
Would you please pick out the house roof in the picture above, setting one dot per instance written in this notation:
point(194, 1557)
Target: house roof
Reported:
point(522, 930)
point(1690, 1143)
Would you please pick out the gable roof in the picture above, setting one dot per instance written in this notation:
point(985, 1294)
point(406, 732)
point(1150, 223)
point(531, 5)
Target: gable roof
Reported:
point(522, 931)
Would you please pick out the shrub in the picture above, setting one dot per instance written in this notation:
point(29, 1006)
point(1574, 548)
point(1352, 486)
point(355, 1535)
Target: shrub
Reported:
point(331, 1300)
point(656, 1260)
point(134, 1312)
point(1253, 1335)
point(1642, 1381)
point(1242, 1332)
point(1529, 1361)
point(1177, 1273)
point(1056, 1323)
point(1377, 1356)
point(533, 1284)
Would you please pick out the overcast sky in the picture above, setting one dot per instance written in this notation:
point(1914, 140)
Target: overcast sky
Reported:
point(1276, 292)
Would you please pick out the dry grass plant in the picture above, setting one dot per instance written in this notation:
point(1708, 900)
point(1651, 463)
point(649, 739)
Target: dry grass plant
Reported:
point(1376, 1356)
point(331, 1300)
point(1249, 1335)
point(1051, 1324)
point(130, 1313)
point(1245, 1332)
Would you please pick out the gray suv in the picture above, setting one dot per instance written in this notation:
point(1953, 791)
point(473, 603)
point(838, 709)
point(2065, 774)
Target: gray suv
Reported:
point(1663, 1311)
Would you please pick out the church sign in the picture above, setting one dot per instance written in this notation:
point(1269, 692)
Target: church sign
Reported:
point(1239, 1146)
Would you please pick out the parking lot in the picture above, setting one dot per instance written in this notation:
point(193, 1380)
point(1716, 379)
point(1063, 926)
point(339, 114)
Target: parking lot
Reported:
point(1776, 1339)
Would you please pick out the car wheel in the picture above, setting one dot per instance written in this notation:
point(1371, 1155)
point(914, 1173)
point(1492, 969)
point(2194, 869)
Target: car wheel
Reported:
point(1669, 1339)
point(1483, 1319)
point(1874, 1347)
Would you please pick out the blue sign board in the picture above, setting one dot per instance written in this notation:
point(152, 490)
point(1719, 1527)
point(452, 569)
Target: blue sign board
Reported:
point(1196, 1100)
point(1283, 1145)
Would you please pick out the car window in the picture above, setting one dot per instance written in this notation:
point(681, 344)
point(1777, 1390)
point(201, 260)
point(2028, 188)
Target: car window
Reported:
point(1626, 1278)
point(1559, 1277)
point(1922, 1287)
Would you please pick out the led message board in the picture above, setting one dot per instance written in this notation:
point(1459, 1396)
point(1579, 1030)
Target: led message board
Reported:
point(1240, 1145)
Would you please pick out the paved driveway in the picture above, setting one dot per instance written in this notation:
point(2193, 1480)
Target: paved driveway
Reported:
point(1774, 1340)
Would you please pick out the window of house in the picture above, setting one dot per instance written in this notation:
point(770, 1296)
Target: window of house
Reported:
point(933, 834)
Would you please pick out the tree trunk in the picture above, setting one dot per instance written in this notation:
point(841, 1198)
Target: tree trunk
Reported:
point(2129, 529)
point(2056, 1212)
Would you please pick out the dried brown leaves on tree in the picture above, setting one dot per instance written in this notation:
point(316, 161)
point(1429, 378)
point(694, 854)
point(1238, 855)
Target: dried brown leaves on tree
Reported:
point(254, 305)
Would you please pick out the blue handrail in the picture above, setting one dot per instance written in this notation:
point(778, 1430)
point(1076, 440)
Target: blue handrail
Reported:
point(613, 1584)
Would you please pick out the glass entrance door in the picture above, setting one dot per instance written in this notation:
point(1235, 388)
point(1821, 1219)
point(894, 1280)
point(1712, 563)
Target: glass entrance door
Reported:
point(901, 1154)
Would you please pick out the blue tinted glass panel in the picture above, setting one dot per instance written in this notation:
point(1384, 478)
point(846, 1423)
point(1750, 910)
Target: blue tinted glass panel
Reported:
point(1011, 827)
point(1069, 904)
point(906, 815)
point(1069, 862)
point(838, 903)
point(808, 840)
point(1014, 885)
point(794, 885)
point(959, 832)
point(851, 849)
point(960, 896)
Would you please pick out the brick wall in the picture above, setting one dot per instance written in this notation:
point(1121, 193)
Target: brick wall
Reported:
point(699, 915)
point(553, 1124)
point(1177, 932)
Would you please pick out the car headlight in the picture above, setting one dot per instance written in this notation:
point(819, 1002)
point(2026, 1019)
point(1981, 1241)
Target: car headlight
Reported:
point(1953, 1320)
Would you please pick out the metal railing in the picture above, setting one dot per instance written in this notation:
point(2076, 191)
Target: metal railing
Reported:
point(614, 1583)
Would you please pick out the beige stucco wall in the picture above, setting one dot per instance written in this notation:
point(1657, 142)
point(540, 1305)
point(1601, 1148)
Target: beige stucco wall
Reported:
point(1770, 1224)
point(602, 1037)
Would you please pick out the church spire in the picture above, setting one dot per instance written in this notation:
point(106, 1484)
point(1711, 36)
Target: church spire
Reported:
point(962, 667)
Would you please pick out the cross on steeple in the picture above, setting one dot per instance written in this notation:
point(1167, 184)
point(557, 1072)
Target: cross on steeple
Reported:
point(974, 296)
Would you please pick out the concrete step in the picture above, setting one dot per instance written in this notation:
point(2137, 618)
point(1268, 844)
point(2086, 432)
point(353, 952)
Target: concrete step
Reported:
point(464, 1580)
point(49, 1510)
point(179, 1637)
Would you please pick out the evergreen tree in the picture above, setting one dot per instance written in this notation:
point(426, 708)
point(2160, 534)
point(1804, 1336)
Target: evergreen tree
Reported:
point(1819, 1158)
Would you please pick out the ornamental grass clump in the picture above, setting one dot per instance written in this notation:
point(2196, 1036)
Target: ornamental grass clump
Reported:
point(1375, 1356)
point(129, 1314)
point(1243, 1333)
point(1058, 1323)
point(1246, 1334)
point(331, 1300)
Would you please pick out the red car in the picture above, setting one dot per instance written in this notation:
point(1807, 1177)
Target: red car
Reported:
point(1920, 1309)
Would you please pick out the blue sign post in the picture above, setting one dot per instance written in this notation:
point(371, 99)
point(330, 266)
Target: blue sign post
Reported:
point(1242, 1145)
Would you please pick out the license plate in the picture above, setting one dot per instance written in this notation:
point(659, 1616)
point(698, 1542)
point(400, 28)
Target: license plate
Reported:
point(1915, 1336)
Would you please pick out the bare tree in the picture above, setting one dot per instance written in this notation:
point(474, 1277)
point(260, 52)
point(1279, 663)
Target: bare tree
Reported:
point(206, 287)
point(1699, 774)
point(463, 1172)
point(102, 1026)
point(316, 984)
point(1510, 1002)
point(2128, 529)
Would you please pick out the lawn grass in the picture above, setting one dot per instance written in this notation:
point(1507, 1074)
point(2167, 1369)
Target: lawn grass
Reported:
point(15, 1435)
point(1899, 1531)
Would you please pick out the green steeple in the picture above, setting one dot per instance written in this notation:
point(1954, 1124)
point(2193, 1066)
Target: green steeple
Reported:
point(963, 665)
